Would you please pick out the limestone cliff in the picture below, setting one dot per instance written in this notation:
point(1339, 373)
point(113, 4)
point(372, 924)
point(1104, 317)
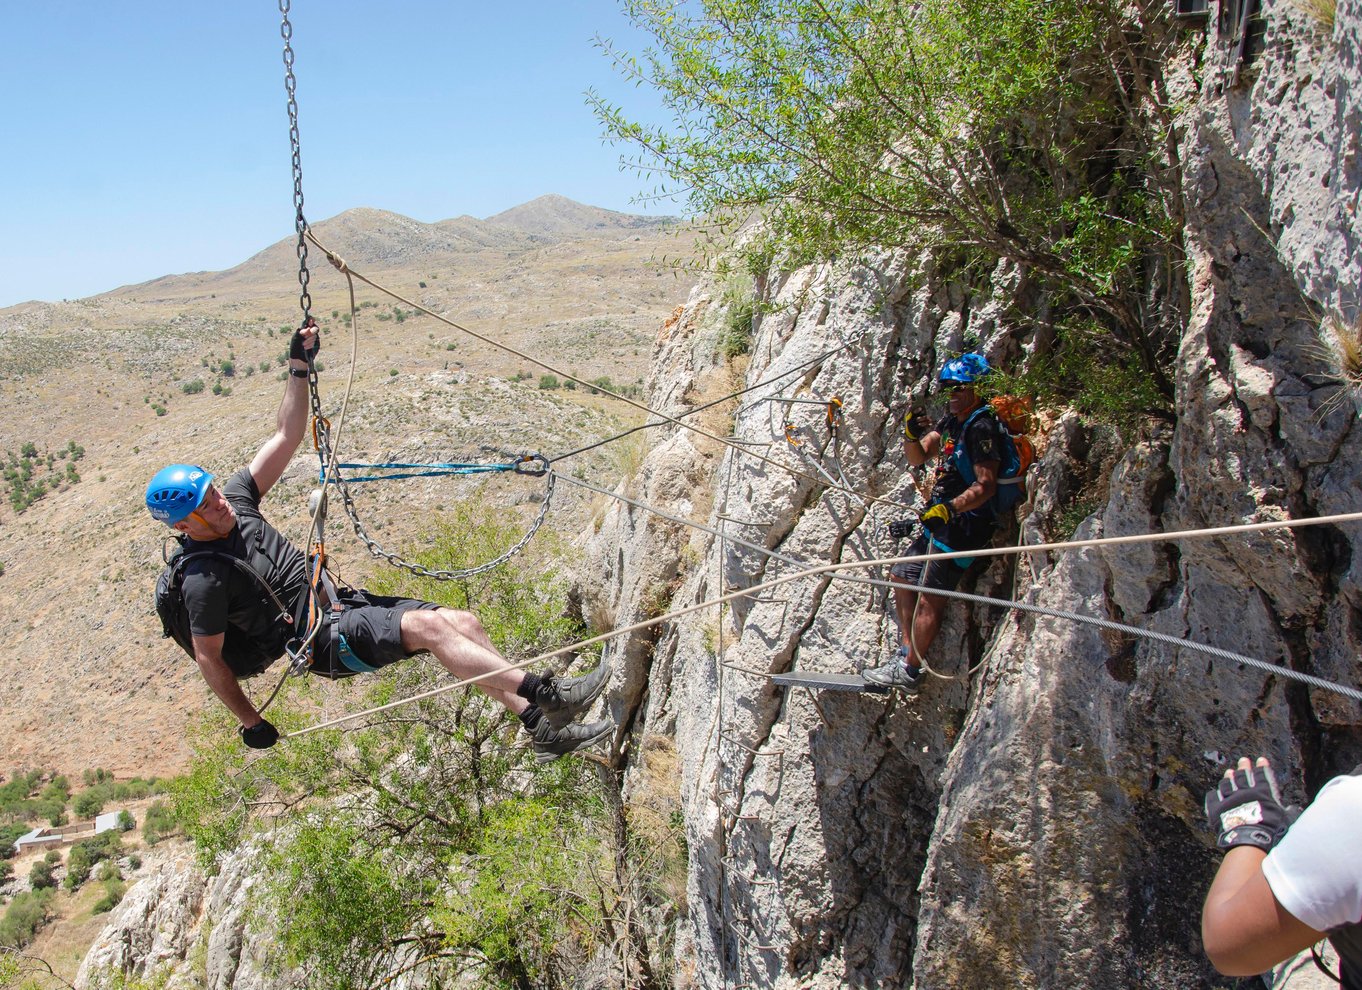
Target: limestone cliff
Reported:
point(1035, 822)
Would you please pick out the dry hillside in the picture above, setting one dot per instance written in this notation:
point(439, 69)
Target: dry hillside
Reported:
point(88, 679)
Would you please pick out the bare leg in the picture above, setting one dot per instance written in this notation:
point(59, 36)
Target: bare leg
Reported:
point(926, 624)
point(458, 640)
point(904, 603)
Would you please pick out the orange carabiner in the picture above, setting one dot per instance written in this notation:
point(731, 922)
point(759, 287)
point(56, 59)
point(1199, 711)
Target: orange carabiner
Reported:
point(316, 434)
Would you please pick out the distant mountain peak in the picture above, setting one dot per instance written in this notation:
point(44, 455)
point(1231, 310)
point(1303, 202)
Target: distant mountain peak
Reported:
point(552, 215)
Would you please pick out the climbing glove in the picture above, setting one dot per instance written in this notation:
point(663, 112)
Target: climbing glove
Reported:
point(1245, 809)
point(262, 735)
point(297, 352)
point(916, 425)
point(935, 516)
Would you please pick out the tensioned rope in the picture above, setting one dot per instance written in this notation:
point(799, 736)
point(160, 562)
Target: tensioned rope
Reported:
point(342, 266)
point(708, 405)
point(833, 568)
point(1007, 603)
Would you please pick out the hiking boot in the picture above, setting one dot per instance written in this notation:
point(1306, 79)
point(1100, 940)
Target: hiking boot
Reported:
point(562, 699)
point(551, 742)
point(895, 674)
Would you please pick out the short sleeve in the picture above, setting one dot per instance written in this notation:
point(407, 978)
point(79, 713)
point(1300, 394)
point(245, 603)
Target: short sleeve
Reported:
point(1315, 872)
point(205, 599)
point(982, 440)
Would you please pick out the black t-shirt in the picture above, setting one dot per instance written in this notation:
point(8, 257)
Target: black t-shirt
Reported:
point(982, 443)
point(220, 598)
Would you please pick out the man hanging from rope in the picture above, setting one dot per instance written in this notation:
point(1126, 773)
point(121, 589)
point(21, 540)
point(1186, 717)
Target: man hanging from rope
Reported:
point(959, 515)
point(229, 618)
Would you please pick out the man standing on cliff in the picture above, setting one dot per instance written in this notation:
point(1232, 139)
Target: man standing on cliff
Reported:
point(236, 630)
point(959, 515)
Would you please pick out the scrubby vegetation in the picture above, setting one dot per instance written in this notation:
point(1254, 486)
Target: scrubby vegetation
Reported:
point(31, 473)
point(1023, 139)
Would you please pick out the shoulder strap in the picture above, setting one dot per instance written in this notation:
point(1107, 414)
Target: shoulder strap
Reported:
point(177, 565)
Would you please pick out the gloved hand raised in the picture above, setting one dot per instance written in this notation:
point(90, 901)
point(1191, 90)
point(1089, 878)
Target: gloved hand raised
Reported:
point(1245, 808)
point(916, 425)
point(300, 345)
point(262, 735)
point(935, 516)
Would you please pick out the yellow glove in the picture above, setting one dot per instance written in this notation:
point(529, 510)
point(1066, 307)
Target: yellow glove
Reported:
point(935, 516)
point(916, 425)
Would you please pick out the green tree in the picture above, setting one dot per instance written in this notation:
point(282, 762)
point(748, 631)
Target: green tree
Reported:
point(88, 804)
point(40, 876)
point(27, 912)
point(1027, 130)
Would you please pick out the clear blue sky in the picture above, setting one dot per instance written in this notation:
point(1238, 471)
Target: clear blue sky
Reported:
point(144, 139)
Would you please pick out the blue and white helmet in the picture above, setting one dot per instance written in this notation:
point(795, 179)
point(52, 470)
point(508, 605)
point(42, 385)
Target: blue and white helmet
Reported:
point(176, 491)
point(966, 369)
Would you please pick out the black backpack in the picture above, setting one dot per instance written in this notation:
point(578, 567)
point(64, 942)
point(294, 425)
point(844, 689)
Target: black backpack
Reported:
point(245, 656)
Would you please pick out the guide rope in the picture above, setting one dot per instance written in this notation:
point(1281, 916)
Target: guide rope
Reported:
point(708, 405)
point(344, 267)
point(837, 567)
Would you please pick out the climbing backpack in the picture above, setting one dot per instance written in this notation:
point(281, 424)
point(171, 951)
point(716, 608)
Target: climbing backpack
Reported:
point(243, 655)
point(1013, 416)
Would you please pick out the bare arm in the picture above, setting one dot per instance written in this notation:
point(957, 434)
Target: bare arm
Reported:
point(1243, 928)
point(208, 653)
point(977, 494)
point(270, 461)
point(919, 452)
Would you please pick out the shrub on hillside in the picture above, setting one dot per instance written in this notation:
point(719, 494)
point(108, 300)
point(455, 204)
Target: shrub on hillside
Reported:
point(27, 913)
point(40, 877)
point(158, 822)
point(86, 853)
point(89, 803)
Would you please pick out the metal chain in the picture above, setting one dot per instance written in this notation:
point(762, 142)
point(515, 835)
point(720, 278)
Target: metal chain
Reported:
point(320, 424)
point(441, 575)
point(299, 222)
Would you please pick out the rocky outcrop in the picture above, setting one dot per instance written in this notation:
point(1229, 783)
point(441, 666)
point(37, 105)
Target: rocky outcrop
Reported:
point(192, 930)
point(1032, 818)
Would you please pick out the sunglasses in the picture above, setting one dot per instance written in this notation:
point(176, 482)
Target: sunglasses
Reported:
point(950, 386)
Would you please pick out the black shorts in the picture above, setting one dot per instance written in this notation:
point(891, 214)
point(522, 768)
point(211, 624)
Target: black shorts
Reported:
point(942, 575)
point(371, 626)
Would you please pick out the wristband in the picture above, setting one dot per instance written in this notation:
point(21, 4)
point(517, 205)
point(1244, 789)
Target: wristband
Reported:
point(298, 372)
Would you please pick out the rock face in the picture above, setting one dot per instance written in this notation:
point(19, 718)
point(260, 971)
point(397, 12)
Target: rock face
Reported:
point(1035, 822)
point(193, 930)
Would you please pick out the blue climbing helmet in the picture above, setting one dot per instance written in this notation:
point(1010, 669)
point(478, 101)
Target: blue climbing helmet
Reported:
point(966, 369)
point(176, 491)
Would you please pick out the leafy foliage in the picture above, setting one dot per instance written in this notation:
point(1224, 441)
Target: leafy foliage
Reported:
point(88, 852)
point(1033, 132)
point(31, 474)
point(26, 913)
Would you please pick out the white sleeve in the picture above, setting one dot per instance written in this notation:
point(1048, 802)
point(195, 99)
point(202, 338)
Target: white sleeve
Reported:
point(1315, 872)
